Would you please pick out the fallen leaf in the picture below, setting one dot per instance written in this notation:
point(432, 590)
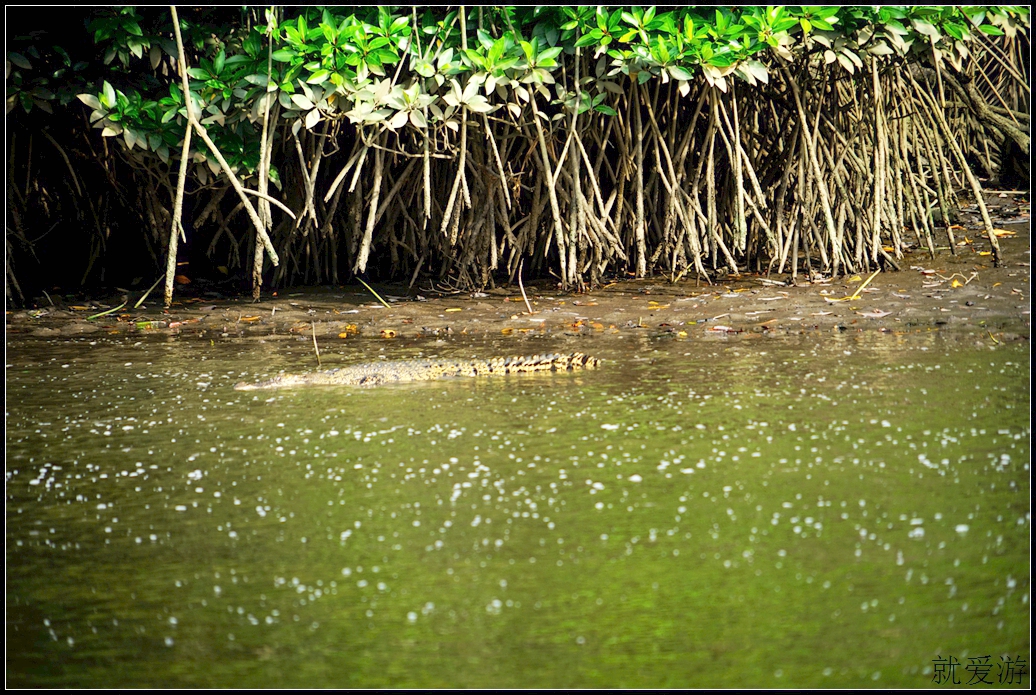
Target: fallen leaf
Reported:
point(956, 283)
point(876, 314)
point(182, 279)
point(454, 309)
point(822, 313)
point(1004, 232)
point(507, 331)
point(250, 319)
point(389, 333)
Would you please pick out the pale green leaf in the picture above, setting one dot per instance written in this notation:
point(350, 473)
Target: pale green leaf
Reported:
point(312, 119)
point(90, 100)
point(302, 101)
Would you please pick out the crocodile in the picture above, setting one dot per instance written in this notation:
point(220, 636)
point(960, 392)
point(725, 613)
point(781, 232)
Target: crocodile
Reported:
point(377, 373)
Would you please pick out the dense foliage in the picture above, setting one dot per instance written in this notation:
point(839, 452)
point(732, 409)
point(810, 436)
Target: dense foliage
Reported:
point(588, 140)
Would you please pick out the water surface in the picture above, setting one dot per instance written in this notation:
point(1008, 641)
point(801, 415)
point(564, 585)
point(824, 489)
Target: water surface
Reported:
point(732, 511)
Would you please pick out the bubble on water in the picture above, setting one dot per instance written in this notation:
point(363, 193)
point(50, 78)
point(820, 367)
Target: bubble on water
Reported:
point(916, 533)
point(609, 427)
point(411, 617)
point(961, 528)
point(634, 478)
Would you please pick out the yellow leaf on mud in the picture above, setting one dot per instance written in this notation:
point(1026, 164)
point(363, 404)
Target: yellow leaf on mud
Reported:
point(597, 326)
point(456, 308)
point(250, 319)
point(957, 283)
point(985, 253)
point(507, 331)
point(389, 333)
point(75, 307)
point(1004, 232)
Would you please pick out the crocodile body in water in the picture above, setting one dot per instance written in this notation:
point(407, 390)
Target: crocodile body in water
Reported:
point(377, 373)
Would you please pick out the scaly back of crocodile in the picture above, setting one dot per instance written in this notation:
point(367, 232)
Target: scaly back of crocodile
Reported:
point(376, 373)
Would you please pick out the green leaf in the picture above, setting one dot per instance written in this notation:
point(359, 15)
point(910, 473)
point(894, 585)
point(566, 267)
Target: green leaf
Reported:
point(19, 60)
point(548, 54)
point(318, 77)
point(679, 73)
point(108, 100)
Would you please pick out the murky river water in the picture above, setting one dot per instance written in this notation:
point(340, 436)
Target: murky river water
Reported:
point(737, 511)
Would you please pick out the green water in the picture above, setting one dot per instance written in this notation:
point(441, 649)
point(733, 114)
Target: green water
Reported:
point(823, 511)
